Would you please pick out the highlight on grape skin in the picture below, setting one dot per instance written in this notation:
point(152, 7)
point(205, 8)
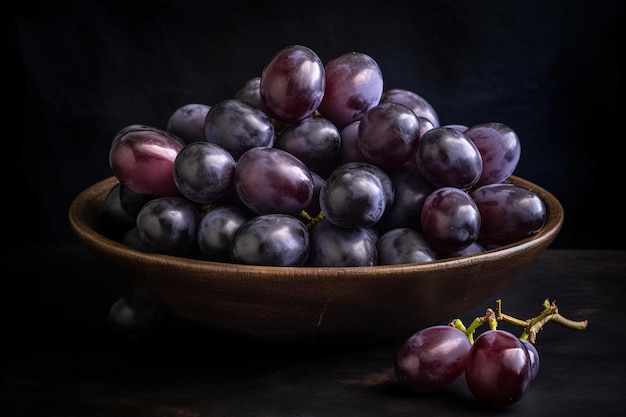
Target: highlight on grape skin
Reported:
point(142, 158)
point(354, 84)
point(293, 83)
point(238, 126)
point(187, 122)
point(498, 370)
point(270, 180)
point(432, 359)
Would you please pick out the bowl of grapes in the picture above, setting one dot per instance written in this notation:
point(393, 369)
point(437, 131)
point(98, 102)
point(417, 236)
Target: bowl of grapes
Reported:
point(315, 208)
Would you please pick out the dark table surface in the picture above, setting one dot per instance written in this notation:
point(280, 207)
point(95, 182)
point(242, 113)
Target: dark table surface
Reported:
point(60, 357)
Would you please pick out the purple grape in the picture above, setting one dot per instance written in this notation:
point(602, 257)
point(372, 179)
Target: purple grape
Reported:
point(373, 232)
point(116, 221)
point(473, 249)
point(142, 159)
point(334, 246)
point(131, 201)
point(314, 140)
point(448, 158)
point(420, 106)
point(498, 371)
point(168, 225)
point(354, 84)
point(388, 135)
point(204, 172)
point(534, 358)
point(508, 213)
point(432, 358)
point(410, 192)
point(313, 209)
point(500, 149)
point(425, 126)
point(250, 92)
point(459, 127)
point(238, 126)
point(350, 151)
point(388, 186)
point(450, 219)
point(353, 196)
point(270, 180)
point(131, 238)
point(187, 122)
point(292, 84)
point(216, 229)
point(136, 316)
point(271, 239)
point(404, 245)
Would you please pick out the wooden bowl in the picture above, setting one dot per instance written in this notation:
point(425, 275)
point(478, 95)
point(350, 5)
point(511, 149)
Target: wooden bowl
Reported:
point(306, 306)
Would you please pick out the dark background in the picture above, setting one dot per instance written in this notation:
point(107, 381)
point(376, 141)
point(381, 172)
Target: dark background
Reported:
point(77, 72)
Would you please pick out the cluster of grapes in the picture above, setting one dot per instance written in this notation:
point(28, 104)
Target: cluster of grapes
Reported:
point(316, 165)
point(498, 366)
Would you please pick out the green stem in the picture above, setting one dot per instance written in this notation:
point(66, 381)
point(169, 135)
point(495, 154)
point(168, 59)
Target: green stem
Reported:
point(530, 327)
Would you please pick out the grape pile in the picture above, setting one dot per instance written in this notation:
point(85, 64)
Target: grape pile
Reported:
point(317, 165)
point(498, 366)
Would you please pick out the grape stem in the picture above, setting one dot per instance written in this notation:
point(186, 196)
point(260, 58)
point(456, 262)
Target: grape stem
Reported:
point(311, 220)
point(530, 326)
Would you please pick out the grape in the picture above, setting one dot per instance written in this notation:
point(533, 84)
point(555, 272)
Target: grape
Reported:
point(388, 187)
point(420, 106)
point(473, 249)
point(388, 135)
point(271, 239)
point(131, 201)
point(350, 151)
point(432, 358)
point(238, 126)
point(250, 92)
point(461, 128)
point(353, 196)
point(404, 245)
point(534, 358)
point(135, 316)
point(187, 122)
point(425, 126)
point(131, 238)
point(204, 172)
point(498, 370)
point(410, 191)
point(508, 213)
point(500, 149)
point(333, 245)
point(448, 158)
point(314, 140)
point(373, 232)
point(115, 219)
point(270, 180)
point(354, 84)
point(142, 158)
point(313, 209)
point(450, 219)
point(292, 84)
point(168, 225)
point(216, 229)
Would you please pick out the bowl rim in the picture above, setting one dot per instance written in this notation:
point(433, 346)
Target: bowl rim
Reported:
point(95, 241)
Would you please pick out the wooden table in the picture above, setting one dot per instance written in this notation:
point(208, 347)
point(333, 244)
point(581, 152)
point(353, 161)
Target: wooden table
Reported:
point(61, 358)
